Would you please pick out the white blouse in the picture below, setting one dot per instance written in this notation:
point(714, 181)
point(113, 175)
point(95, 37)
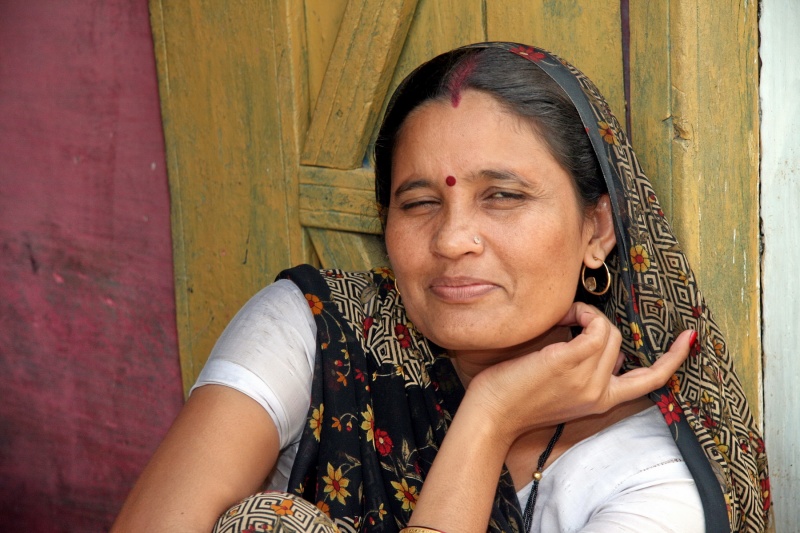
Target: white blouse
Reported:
point(629, 477)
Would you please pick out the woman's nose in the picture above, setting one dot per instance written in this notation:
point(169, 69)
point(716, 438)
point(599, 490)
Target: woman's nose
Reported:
point(457, 234)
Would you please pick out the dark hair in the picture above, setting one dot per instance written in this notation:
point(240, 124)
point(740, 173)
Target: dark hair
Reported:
point(517, 83)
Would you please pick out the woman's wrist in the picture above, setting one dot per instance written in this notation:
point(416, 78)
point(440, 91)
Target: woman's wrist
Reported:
point(486, 412)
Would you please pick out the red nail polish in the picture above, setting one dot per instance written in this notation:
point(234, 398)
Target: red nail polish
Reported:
point(693, 339)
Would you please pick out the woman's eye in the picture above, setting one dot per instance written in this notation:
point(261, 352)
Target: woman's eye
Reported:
point(506, 195)
point(421, 203)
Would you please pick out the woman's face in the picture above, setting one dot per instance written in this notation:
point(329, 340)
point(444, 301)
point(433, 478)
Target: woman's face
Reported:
point(513, 286)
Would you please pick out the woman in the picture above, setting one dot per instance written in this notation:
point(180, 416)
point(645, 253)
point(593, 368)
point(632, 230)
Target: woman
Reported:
point(504, 183)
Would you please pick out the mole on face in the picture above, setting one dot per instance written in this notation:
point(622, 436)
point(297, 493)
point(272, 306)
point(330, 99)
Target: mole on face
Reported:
point(450, 181)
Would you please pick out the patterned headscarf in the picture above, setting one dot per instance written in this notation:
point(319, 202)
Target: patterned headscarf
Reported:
point(382, 398)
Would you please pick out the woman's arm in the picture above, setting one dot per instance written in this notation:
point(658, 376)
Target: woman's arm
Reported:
point(220, 449)
point(562, 382)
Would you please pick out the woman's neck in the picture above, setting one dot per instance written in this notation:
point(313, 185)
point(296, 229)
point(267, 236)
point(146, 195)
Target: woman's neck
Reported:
point(469, 363)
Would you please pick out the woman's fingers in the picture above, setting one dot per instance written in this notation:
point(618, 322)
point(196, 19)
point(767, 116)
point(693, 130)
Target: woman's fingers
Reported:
point(641, 381)
point(579, 314)
point(619, 363)
point(597, 345)
point(572, 379)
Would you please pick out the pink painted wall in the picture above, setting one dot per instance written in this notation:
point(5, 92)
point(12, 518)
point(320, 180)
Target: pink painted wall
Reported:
point(89, 372)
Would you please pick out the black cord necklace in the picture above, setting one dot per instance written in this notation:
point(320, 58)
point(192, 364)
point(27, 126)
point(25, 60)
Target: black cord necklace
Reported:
point(537, 477)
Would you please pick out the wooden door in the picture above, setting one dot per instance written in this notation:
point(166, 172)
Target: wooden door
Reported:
point(270, 106)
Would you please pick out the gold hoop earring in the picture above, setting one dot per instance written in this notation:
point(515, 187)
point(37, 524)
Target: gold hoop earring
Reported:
point(590, 284)
point(397, 288)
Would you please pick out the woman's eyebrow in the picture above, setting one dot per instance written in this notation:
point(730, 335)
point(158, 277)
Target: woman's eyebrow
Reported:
point(505, 175)
point(411, 185)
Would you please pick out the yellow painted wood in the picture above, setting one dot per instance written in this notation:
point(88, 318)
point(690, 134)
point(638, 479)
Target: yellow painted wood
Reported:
point(359, 178)
point(338, 199)
point(348, 251)
point(695, 109)
point(322, 206)
point(293, 94)
point(356, 80)
point(323, 18)
point(235, 211)
point(586, 33)
point(651, 96)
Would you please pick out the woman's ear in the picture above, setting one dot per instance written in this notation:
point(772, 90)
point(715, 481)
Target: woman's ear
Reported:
point(603, 238)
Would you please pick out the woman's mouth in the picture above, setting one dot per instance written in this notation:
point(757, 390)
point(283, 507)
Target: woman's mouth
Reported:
point(460, 289)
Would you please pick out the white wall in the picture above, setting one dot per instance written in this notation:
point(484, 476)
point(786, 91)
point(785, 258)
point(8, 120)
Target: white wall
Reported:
point(780, 213)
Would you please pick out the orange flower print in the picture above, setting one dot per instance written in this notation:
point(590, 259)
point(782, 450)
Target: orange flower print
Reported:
point(234, 510)
point(723, 448)
point(324, 507)
point(636, 335)
point(528, 53)
point(336, 484)
point(341, 378)
point(407, 495)
point(705, 398)
point(640, 258)
point(337, 424)
point(316, 421)
point(719, 348)
point(284, 509)
point(674, 383)
point(385, 272)
point(383, 442)
point(368, 424)
point(314, 303)
point(669, 408)
point(607, 133)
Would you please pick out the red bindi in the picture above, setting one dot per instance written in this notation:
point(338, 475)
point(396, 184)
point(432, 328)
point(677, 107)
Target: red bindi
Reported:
point(450, 181)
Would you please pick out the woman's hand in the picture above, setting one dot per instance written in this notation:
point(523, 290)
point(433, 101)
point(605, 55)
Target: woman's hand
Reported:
point(559, 383)
point(568, 380)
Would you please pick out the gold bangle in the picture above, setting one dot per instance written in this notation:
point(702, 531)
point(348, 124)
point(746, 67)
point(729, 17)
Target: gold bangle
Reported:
point(419, 529)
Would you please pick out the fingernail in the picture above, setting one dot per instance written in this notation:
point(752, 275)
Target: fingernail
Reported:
point(693, 339)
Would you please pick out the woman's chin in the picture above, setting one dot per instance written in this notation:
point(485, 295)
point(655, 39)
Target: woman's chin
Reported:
point(497, 347)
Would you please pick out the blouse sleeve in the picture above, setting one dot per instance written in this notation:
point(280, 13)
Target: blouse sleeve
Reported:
point(267, 352)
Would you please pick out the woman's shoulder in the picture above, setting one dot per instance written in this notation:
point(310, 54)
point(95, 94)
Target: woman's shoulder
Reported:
point(630, 472)
point(633, 444)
